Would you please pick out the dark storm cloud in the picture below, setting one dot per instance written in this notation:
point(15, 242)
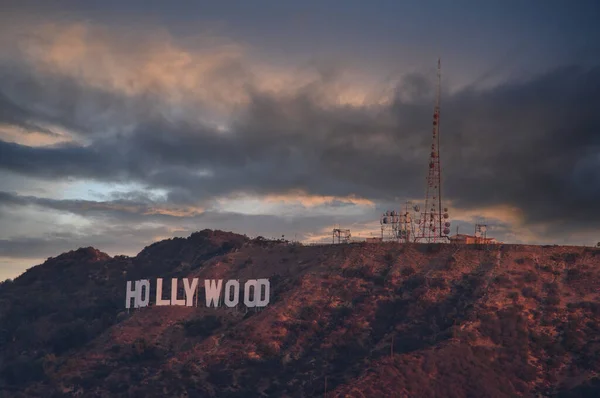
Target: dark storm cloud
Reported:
point(116, 239)
point(533, 144)
point(31, 100)
point(137, 209)
point(58, 161)
point(12, 114)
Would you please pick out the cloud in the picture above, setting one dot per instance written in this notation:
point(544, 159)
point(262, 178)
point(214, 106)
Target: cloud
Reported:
point(12, 114)
point(86, 77)
point(121, 218)
point(541, 145)
point(144, 209)
point(124, 237)
point(116, 240)
point(528, 145)
point(205, 120)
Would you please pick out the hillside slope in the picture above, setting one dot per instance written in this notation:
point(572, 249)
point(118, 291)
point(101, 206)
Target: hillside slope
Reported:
point(346, 320)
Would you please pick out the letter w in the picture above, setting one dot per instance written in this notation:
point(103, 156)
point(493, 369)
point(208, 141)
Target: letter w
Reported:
point(213, 292)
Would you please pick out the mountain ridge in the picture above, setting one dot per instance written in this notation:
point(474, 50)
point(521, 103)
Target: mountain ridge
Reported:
point(382, 319)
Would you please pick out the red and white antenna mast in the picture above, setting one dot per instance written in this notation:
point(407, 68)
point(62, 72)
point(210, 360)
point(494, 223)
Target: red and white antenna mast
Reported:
point(433, 228)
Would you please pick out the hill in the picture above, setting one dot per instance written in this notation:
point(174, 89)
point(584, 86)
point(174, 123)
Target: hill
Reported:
point(358, 319)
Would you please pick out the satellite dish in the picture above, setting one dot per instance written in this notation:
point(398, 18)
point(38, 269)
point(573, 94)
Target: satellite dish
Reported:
point(417, 208)
point(483, 228)
point(477, 234)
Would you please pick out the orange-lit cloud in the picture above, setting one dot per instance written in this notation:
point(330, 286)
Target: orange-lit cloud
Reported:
point(18, 135)
point(307, 200)
point(504, 213)
point(211, 70)
point(173, 211)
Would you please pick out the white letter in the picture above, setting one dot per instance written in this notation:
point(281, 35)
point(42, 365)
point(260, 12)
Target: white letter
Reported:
point(251, 283)
point(190, 290)
point(236, 293)
point(258, 290)
point(142, 287)
point(130, 294)
point(174, 300)
point(159, 299)
point(213, 292)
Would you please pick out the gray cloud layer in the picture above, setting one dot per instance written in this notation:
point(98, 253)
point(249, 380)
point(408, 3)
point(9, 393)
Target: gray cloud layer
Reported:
point(531, 144)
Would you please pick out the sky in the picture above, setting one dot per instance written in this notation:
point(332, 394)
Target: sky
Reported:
point(124, 123)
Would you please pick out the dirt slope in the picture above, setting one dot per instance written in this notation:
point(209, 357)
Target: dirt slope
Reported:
point(344, 320)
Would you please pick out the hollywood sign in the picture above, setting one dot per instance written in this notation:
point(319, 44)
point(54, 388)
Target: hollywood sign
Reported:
point(256, 293)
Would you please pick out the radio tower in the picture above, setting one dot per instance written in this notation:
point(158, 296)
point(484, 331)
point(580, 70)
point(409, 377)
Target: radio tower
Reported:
point(432, 228)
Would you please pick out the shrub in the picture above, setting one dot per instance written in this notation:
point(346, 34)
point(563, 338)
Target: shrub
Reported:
point(571, 258)
point(220, 376)
point(343, 311)
point(546, 268)
point(553, 297)
point(573, 275)
point(433, 248)
point(473, 281)
point(530, 277)
point(415, 281)
point(142, 350)
point(528, 292)
point(407, 271)
point(202, 327)
point(551, 288)
point(308, 313)
point(23, 370)
point(363, 272)
point(503, 281)
point(228, 246)
point(553, 300)
point(266, 349)
point(438, 283)
point(70, 336)
point(419, 292)
point(5, 283)
point(389, 258)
